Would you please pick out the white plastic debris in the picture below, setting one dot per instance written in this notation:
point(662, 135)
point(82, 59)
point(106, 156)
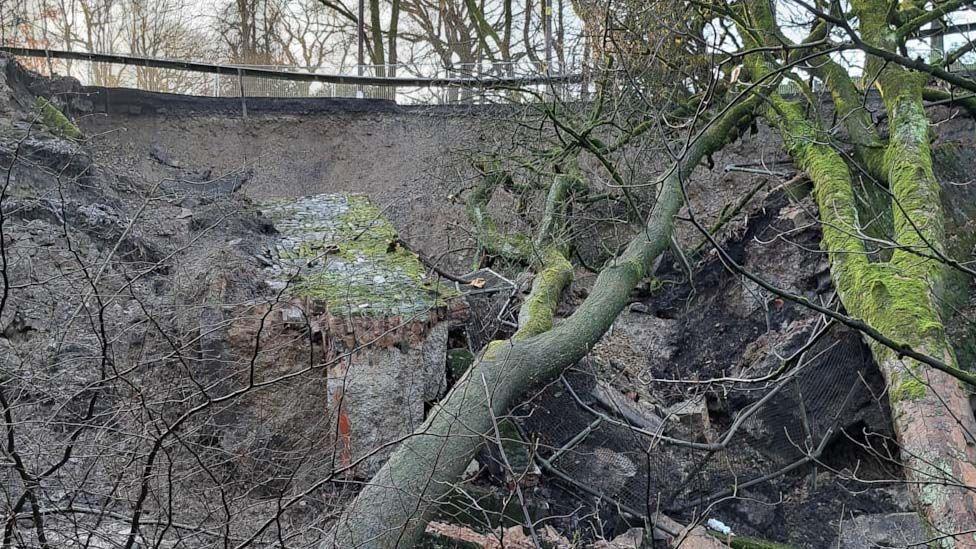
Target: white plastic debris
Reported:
point(473, 469)
point(718, 526)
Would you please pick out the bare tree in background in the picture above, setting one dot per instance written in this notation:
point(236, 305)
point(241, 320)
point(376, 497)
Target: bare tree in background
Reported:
point(165, 30)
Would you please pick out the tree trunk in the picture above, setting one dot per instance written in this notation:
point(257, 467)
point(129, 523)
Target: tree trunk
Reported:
point(526, 33)
point(482, 28)
point(930, 409)
point(506, 44)
point(376, 30)
point(393, 35)
point(899, 297)
point(933, 419)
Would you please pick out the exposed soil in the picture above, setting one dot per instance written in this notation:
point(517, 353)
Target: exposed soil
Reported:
point(156, 214)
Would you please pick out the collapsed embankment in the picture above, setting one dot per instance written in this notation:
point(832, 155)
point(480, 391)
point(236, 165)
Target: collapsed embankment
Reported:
point(156, 211)
point(413, 162)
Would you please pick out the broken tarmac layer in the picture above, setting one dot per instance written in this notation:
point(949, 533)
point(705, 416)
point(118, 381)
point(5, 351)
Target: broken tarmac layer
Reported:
point(383, 327)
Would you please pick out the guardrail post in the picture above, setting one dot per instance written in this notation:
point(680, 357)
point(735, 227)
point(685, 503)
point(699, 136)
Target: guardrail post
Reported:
point(240, 80)
point(360, 93)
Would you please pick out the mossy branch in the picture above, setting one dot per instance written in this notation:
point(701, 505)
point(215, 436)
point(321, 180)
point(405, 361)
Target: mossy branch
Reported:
point(848, 100)
point(937, 12)
point(490, 239)
point(552, 228)
point(894, 299)
point(539, 309)
point(942, 97)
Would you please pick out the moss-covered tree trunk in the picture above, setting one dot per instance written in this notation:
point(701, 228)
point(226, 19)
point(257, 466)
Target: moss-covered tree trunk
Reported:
point(899, 297)
point(393, 507)
point(930, 409)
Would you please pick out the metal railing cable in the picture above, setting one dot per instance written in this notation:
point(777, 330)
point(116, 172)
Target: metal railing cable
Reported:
point(243, 70)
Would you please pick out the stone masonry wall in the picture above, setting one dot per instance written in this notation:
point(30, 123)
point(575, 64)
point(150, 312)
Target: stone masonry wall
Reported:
point(384, 327)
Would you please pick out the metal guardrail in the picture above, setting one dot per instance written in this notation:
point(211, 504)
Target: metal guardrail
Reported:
point(225, 80)
point(244, 70)
point(262, 81)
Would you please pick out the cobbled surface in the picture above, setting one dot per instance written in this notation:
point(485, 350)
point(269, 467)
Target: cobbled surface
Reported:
point(340, 248)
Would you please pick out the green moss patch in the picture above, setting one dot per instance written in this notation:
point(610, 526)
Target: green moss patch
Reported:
point(908, 390)
point(340, 250)
point(458, 362)
point(55, 121)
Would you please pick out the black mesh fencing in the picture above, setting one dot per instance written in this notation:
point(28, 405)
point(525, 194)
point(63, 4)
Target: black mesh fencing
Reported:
point(773, 428)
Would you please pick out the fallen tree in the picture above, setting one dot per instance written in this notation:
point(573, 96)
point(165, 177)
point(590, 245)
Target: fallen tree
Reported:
point(890, 277)
point(393, 507)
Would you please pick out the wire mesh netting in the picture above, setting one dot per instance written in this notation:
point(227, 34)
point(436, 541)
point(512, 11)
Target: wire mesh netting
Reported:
point(754, 431)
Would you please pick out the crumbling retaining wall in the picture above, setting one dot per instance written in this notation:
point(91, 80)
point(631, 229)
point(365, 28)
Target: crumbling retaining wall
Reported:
point(383, 328)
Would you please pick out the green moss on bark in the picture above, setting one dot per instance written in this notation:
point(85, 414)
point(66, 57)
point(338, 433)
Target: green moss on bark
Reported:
point(896, 297)
point(536, 314)
point(510, 246)
point(907, 388)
